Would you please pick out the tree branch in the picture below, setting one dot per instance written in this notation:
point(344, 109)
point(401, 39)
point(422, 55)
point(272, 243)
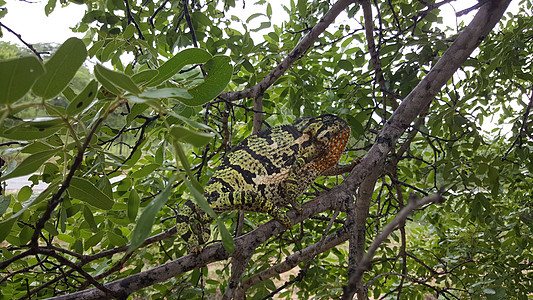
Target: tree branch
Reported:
point(365, 262)
point(293, 56)
point(30, 46)
point(427, 89)
point(246, 242)
point(374, 54)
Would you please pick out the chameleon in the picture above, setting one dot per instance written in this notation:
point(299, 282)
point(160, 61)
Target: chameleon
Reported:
point(266, 172)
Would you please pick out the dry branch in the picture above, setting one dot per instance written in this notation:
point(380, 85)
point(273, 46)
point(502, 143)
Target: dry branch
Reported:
point(364, 264)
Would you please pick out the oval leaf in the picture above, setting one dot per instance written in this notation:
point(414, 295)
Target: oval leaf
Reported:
point(145, 171)
point(219, 71)
point(33, 130)
point(166, 93)
point(143, 228)
point(17, 76)
point(186, 135)
point(227, 239)
point(133, 205)
point(117, 79)
point(84, 190)
point(61, 68)
point(31, 164)
point(176, 63)
point(144, 76)
point(83, 100)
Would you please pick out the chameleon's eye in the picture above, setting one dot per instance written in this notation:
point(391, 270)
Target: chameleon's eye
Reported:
point(322, 135)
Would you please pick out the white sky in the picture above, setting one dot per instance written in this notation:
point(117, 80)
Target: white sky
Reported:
point(30, 21)
point(28, 18)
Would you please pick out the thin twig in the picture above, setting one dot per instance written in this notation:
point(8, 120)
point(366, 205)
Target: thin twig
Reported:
point(365, 262)
point(30, 46)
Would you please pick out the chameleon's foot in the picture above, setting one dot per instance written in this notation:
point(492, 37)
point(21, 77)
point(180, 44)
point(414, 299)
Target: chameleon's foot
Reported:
point(293, 201)
point(285, 221)
point(296, 205)
point(194, 249)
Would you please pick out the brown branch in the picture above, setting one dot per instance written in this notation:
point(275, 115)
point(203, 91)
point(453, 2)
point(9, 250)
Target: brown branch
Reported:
point(160, 8)
point(400, 120)
point(357, 215)
point(427, 89)
point(87, 276)
point(131, 20)
point(189, 23)
point(216, 252)
point(325, 243)
point(293, 56)
point(341, 169)
point(56, 198)
point(365, 262)
point(240, 259)
point(30, 46)
point(374, 53)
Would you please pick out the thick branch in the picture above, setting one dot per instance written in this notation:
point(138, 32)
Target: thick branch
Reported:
point(427, 89)
point(250, 240)
point(364, 264)
point(294, 259)
point(293, 56)
point(357, 216)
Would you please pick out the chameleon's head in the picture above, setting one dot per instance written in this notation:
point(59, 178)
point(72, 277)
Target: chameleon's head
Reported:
point(329, 130)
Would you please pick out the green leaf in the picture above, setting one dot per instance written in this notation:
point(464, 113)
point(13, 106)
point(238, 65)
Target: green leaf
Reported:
point(227, 239)
point(83, 100)
point(219, 72)
point(198, 198)
point(190, 122)
point(33, 130)
point(84, 190)
point(4, 203)
point(144, 76)
point(166, 93)
point(143, 228)
point(345, 65)
point(116, 239)
point(177, 62)
point(24, 194)
point(49, 7)
point(128, 32)
point(6, 225)
point(253, 16)
point(93, 240)
point(89, 218)
point(193, 137)
point(119, 80)
point(269, 10)
point(97, 46)
point(31, 164)
point(17, 77)
point(66, 238)
point(133, 205)
point(145, 171)
point(494, 175)
point(61, 68)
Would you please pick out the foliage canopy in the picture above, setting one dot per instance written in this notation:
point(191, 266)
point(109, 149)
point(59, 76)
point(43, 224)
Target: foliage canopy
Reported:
point(174, 84)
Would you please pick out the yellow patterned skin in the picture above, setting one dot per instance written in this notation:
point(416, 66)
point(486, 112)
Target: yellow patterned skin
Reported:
point(266, 172)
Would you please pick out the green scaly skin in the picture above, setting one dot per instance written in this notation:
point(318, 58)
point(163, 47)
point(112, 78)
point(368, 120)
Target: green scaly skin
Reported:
point(266, 172)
